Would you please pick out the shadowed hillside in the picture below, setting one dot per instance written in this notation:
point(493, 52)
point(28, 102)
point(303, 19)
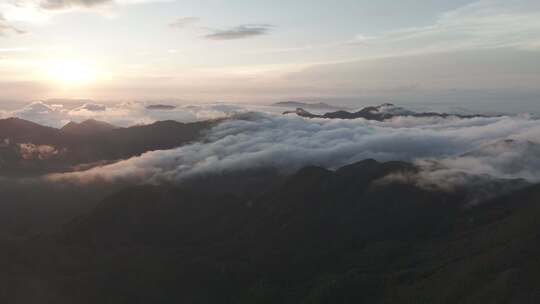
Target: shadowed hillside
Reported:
point(317, 236)
point(27, 148)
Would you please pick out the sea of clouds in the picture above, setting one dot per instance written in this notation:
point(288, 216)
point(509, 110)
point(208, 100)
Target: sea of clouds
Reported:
point(128, 113)
point(448, 151)
point(445, 149)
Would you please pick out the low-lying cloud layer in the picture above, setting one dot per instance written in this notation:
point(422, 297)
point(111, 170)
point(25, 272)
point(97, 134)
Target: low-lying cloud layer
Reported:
point(128, 114)
point(445, 148)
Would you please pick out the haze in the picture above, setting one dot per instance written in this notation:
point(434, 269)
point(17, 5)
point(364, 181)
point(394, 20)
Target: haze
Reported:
point(475, 54)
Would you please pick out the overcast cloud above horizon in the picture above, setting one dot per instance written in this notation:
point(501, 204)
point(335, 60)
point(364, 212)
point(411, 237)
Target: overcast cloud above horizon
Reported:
point(469, 52)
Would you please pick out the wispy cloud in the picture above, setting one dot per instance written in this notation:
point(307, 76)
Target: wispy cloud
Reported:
point(485, 24)
point(53, 113)
point(63, 4)
point(13, 50)
point(6, 26)
point(34, 11)
point(240, 32)
point(184, 22)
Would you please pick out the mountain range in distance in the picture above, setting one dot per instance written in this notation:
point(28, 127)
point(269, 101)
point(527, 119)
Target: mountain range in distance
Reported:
point(320, 106)
point(30, 148)
point(379, 113)
point(87, 127)
point(161, 107)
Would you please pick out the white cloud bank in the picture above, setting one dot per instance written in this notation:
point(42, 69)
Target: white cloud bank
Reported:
point(127, 114)
point(257, 140)
point(449, 150)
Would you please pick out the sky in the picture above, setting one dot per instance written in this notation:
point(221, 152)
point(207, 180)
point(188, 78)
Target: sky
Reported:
point(482, 54)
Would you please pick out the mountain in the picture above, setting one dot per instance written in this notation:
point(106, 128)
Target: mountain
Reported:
point(316, 236)
point(161, 135)
point(379, 113)
point(21, 130)
point(310, 106)
point(160, 107)
point(87, 127)
point(24, 143)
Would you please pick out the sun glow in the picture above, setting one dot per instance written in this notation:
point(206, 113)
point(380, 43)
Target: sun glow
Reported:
point(71, 72)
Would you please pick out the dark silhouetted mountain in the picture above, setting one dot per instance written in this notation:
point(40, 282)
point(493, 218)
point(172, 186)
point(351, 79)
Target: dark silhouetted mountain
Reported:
point(379, 113)
point(161, 135)
point(305, 105)
point(160, 107)
point(301, 112)
point(23, 131)
point(317, 236)
point(87, 127)
point(86, 143)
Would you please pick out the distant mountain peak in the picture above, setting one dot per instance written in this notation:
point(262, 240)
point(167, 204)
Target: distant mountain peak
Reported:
point(306, 105)
point(299, 112)
point(16, 120)
point(163, 107)
point(18, 125)
point(87, 127)
point(379, 113)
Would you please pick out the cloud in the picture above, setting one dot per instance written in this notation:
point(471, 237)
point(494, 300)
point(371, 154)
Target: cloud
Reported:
point(6, 26)
point(128, 113)
point(38, 11)
point(504, 159)
point(90, 107)
point(29, 151)
point(360, 39)
point(449, 152)
point(184, 22)
point(41, 113)
point(484, 24)
point(256, 140)
point(64, 4)
point(240, 32)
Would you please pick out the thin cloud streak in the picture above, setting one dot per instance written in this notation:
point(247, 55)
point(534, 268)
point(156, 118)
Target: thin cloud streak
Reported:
point(240, 32)
point(184, 22)
point(64, 4)
point(479, 25)
point(6, 26)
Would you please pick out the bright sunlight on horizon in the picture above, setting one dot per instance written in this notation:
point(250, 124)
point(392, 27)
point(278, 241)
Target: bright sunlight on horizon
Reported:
point(67, 73)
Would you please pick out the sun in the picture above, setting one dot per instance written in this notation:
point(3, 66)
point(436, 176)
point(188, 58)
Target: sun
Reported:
point(71, 72)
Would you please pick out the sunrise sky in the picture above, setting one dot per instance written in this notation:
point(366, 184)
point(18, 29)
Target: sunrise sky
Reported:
point(259, 51)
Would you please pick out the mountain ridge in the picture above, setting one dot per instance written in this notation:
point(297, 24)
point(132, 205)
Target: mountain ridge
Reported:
point(87, 127)
point(88, 142)
point(313, 106)
point(379, 113)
